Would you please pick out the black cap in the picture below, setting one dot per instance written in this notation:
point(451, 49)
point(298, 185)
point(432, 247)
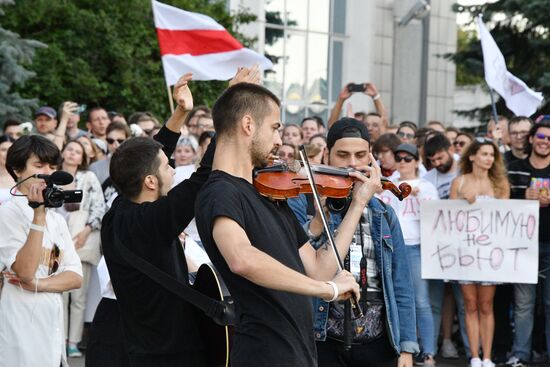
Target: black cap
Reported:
point(407, 148)
point(346, 127)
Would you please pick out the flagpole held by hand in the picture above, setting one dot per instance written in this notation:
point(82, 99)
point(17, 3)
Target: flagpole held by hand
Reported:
point(170, 100)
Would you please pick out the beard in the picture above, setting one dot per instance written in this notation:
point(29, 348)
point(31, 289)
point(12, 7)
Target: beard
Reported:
point(260, 159)
point(543, 156)
point(446, 167)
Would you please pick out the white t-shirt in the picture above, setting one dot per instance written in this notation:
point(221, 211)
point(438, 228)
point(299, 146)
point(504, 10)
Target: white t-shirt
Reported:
point(183, 173)
point(31, 324)
point(408, 210)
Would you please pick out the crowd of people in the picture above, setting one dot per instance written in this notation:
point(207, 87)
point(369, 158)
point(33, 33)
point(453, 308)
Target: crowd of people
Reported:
point(154, 187)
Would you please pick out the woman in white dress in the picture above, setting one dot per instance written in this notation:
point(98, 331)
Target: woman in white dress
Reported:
point(482, 177)
point(38, 260)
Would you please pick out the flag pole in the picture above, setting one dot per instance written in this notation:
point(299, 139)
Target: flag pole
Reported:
point(493, 105)
point(170, 100)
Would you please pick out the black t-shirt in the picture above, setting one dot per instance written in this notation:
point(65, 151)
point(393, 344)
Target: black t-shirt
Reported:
point(274, 328)
point(520, 173)
point(160, 328)
point(509, 157)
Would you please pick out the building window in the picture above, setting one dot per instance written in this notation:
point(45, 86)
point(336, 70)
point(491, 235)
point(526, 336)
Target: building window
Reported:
point(304, 40)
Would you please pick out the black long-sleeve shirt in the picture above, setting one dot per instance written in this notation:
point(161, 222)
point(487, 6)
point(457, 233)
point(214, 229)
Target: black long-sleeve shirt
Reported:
point(160, 329)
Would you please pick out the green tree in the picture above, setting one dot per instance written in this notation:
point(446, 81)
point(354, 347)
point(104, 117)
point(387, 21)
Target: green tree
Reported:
point(14, 53)
point(521, 30)
point(104, 52)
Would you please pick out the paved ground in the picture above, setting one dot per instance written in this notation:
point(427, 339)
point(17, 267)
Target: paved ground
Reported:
point(79, 362)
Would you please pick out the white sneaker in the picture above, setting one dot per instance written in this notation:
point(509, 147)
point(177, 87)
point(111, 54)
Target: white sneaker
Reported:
point(475, 362)
point(514, 361)
point(448, 349)
point(487, 363)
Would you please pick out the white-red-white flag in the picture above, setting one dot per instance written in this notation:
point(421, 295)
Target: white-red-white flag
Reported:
point(519, 98)
point(193, 42)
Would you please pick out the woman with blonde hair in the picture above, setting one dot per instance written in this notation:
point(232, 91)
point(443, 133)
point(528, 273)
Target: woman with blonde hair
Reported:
point(482, 177)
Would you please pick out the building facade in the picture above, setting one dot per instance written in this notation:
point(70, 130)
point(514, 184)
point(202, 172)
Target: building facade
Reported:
point(318, 46)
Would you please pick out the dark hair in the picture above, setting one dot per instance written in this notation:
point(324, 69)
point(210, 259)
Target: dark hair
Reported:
point(206, 135)
point(6, 138)
point(360, 115)
point(134, 160)
point(22, 149)
point(11, 122)
point(83, 166)
point(466, 134)
point(436, 144)
point(534, 129)
point(421, 134)
point(93, 109)
point(389, 141)
point(239, 100)
point(138, 117)
point(193, 112)
point(409, 124)
point(517, 119)
point(120, 126)
point(317, 119)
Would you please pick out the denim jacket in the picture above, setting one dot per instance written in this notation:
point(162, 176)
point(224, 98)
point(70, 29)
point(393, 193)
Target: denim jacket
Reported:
point(394, 271)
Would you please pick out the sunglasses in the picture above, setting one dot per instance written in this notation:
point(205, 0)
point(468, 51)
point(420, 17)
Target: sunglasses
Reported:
point(405, 135)
point(112, 141)
point(407, 159)
point(542, 136)
point(459, 143)
point(482, 140)
point(54, 260)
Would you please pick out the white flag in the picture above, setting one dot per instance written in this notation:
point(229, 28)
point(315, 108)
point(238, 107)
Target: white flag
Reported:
point(193, 42)
point(520, 99)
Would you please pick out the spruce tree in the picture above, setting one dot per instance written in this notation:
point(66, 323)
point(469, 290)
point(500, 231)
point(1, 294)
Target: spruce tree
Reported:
point(15, 54)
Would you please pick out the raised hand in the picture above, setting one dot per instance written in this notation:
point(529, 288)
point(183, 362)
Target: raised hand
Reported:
point(370, 89)
point(182, 94)
point(246, 75)
point(344, 93)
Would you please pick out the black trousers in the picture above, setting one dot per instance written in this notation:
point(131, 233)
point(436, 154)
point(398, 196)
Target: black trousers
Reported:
point(106, 343)
point(378, 353)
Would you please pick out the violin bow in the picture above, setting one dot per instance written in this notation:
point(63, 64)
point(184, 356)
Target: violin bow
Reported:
point(357, 313)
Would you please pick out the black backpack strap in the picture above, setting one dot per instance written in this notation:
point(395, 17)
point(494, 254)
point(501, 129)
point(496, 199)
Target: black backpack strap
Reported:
point(219, 311)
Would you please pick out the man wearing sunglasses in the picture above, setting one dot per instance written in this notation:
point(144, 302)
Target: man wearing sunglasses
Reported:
point(37, 259)
point(530, 179)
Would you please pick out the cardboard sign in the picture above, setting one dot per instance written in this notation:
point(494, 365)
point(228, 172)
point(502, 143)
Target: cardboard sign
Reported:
point(488, 241)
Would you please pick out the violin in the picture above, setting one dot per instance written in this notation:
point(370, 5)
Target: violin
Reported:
point(281, 181)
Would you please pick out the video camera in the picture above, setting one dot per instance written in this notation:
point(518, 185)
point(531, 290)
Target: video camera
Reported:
point(54, 197)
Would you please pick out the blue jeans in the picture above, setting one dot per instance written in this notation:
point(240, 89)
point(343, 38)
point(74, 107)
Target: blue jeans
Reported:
point(437, 292)
point(524, 308)
point(424, 317)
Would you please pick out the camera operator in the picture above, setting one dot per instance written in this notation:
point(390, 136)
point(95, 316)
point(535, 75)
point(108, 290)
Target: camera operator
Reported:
point(38, 260)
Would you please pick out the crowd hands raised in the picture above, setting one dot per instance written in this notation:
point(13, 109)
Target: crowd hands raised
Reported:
point(440, 162)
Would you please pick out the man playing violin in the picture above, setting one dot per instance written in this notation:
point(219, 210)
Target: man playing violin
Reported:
point(377, 260)
point(257, 244)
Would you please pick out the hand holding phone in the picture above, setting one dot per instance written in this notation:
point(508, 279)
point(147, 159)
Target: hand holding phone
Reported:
point(356, 87)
